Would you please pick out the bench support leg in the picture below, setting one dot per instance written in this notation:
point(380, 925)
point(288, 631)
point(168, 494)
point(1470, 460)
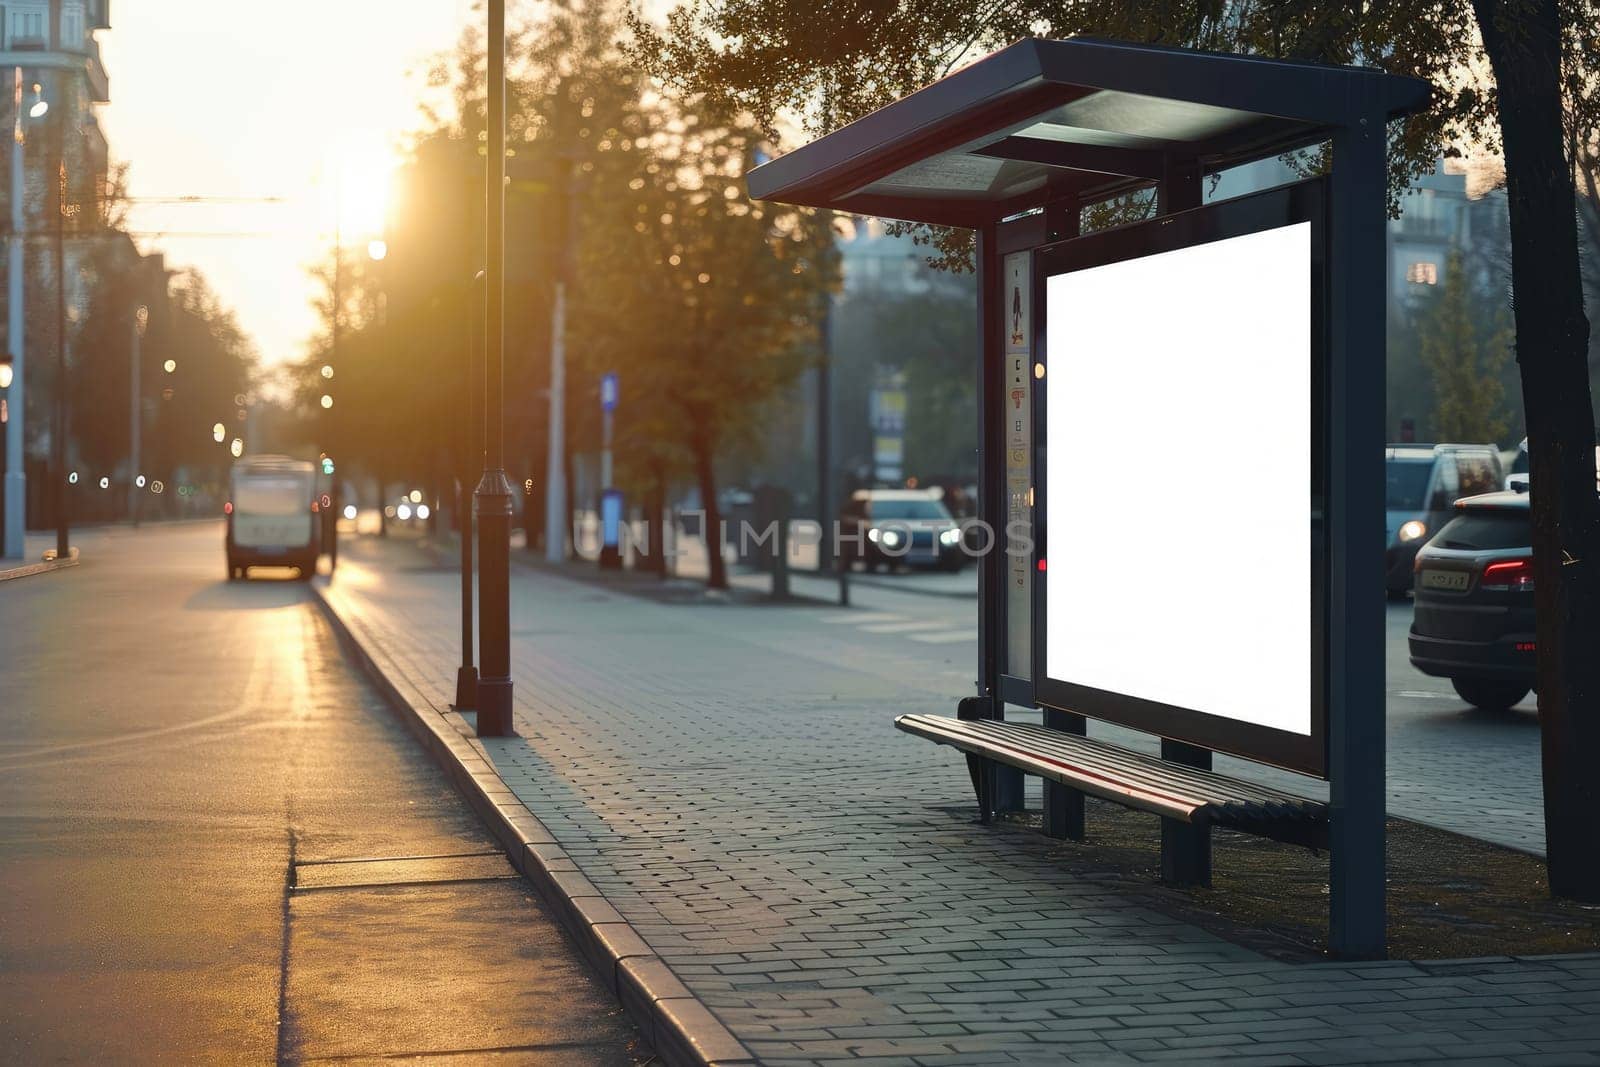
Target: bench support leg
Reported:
point(1185, 848)
point(1005, 781)
point(973, 709)
point(1063, 805)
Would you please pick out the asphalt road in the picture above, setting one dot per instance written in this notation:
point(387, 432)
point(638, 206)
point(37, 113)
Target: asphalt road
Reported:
point(187, 768)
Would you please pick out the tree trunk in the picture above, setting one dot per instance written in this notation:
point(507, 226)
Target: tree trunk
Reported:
point(383, 502)
point(657, 523)
point(1523, 41)
point(706, 475)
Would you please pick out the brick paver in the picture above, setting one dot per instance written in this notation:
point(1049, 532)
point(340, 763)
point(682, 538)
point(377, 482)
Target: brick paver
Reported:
point(817, 880)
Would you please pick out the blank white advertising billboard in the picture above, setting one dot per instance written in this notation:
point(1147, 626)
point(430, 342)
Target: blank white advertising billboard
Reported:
point(1177, 495)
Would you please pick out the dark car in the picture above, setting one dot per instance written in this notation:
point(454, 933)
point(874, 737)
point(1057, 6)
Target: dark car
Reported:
point(1423, 481)
point(1473, 620)
point(901, 527)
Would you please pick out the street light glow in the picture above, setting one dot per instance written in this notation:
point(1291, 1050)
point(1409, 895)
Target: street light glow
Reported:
point(139, 481)
point(327, 401)
point(327, 371)
point(415, 496)
point(5, 375)
point(422, 511)
point(377, 249)
point(72, 479)
point(218, 432)
point(41, 106)
point(236, 447)
point(170, 365)
point(105, 483)
point(350, 511)
point(403, 511)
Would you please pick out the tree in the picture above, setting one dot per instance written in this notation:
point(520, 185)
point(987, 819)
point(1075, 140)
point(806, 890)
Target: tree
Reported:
point(1465, 365)
point(701, 299)
point(1542, 106)
point(930, 337)
point(793, 65)
point(1524, 41)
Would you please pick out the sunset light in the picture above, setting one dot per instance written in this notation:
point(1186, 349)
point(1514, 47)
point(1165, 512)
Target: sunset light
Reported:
point(600, 613)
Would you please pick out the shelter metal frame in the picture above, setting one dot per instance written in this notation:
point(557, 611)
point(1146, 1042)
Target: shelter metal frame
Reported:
point(1014, 147)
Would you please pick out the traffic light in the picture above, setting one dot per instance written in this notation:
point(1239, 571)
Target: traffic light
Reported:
point(327, 465)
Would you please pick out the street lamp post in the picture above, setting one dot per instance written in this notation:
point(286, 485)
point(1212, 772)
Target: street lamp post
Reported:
point(141, 316)
point(59, 434)
point(467, 672)
point(16, 485)
point(493, 499)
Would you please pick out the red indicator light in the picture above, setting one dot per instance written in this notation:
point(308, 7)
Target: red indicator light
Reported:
point(1525, 646)
point(1509, 574)
point(1041, 566)
point(227, 508)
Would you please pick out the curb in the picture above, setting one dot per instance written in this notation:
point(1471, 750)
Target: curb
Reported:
point(678, 1026)
point(38, 568)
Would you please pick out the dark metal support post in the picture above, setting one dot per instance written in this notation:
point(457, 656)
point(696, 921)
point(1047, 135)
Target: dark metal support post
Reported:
point(1005, 782)
point(1063, 805)
point(1355, 502)
point(334, 511)
point(1185, 848)
point(467, 673)
point(59, 432)
point(824, 438)
point(493, 499)
point(780, 562)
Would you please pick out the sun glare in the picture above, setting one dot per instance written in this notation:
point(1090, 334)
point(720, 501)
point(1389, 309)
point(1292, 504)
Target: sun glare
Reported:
point(358, 197)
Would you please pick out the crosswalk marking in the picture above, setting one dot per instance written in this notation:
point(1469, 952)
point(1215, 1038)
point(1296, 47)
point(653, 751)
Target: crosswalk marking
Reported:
point(928, 631)
point(904, 627)
point(945, 637)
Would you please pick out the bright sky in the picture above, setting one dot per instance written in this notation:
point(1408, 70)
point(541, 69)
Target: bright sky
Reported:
point(223, 99)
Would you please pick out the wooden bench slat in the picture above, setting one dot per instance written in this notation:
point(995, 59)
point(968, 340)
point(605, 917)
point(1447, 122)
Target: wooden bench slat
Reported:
point(1233, 790)
point(1188, 794)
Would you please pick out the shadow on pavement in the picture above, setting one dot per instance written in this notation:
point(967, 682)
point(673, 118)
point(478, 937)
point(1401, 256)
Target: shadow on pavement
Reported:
point(255, 594)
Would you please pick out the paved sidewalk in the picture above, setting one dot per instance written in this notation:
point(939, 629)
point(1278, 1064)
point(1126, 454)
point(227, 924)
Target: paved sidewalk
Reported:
point(816, 879)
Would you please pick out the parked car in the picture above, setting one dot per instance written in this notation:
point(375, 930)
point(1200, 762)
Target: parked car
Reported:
point(1517, 478)
point(902, 526)
point(272, 511)
point(1473, 618)
point(1422, 482)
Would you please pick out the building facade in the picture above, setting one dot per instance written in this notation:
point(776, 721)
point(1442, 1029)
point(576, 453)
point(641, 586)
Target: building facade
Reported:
point(51, 81)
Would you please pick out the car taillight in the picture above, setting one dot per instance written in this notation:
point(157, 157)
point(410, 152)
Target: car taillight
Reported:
point(1509, 574)
point(315, 507)
point(227, 507)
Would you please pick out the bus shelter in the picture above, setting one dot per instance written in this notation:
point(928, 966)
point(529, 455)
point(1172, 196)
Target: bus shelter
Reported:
point(1240, 611)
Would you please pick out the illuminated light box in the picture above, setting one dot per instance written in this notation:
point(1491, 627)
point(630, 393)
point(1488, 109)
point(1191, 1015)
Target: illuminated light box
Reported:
point(1181, 474)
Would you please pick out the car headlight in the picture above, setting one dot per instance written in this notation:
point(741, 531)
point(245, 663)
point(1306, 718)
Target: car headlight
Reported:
point(873, 534)
point(1412, 530)
point(891, 538)
point(950, 537)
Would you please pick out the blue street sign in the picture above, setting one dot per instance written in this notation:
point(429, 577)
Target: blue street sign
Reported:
point(611, 518)
point(608, 392)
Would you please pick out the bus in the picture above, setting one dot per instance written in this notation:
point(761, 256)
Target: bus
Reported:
point(271, 510)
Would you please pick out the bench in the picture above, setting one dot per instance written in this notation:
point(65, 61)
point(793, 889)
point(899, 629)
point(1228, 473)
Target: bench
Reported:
point(1179, 794)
